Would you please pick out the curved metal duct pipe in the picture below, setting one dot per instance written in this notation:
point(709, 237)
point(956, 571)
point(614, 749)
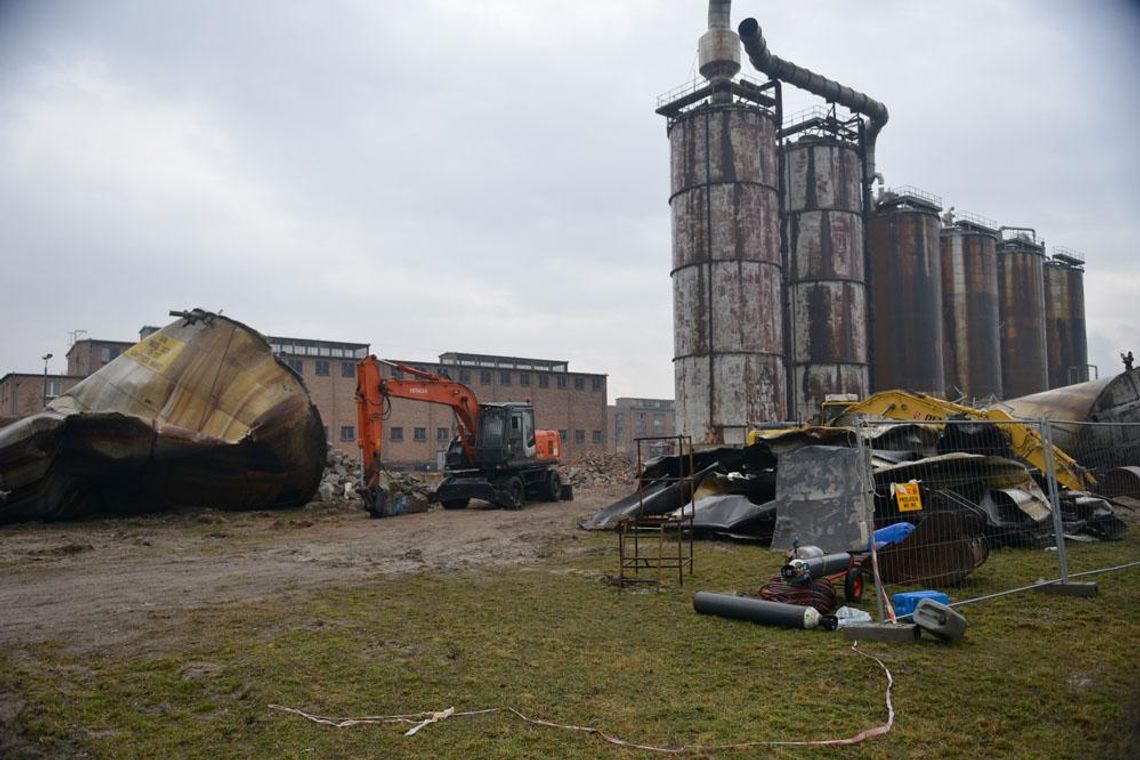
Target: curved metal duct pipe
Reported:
point(777, 68)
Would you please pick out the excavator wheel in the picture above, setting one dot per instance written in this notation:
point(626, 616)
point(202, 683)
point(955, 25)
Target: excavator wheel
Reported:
point(455, 503)
point(514, 493)
point(553, 486)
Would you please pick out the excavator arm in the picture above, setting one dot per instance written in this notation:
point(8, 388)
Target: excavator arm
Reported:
point(373, 394)
point(1024, 439)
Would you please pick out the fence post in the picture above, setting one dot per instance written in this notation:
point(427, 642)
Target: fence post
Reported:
point(869, 510)
point(1054, 499)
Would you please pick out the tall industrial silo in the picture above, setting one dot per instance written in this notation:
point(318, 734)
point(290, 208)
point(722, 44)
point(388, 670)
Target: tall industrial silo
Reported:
point(1065, 340)
point(827, 294)
point(971, 319)
point(727, 275)
point(906, 291)
point(1021, 302)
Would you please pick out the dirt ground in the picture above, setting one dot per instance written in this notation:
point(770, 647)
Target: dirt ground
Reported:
point(96, 583)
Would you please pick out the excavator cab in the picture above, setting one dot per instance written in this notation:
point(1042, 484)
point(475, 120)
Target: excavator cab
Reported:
point(506, 435)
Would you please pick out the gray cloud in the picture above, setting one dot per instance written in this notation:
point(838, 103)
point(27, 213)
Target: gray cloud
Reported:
point(490, 176)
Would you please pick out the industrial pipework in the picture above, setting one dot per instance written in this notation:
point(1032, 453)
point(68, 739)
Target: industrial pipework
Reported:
point(832, 91)
point(719, 51)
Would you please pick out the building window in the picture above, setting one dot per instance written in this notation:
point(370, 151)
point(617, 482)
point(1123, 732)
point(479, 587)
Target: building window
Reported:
point(397, 434)
point(442, 434)
point(658, 423)
point(596, 436)
point(322, 367)
point(562, 436)
point(579, 437)
point(106, 353)
point(296, 365)
point(347, 369)
point(504, 378)
point(579, 383)
point(596, 383)
point(562, 381)
point(419, 434)
point(524, 378)
point(544, 381)
point(53, 388)
point(325, 428)
point(347, 433)
point(464, 375)
point(485, 377)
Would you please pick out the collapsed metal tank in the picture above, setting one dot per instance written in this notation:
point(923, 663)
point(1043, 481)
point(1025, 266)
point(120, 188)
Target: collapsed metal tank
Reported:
point(827, 294)
point(1065, 340)
point(199, 413)
point(727, 274)
point(971, 321)
point(906, 291)
point(1021, 303)
point(1111, 402)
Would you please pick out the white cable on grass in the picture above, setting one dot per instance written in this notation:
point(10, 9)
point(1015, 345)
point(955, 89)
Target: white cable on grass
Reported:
point(422, 719)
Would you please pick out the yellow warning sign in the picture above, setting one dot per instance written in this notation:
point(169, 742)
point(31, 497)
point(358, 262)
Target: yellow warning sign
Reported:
point(156, 351)
point(907, 496)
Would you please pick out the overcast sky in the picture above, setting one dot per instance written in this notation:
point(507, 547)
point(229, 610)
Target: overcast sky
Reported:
point(453, 175)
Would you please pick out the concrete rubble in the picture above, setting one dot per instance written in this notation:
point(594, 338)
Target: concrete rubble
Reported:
point(406, 493)
point(594, 469)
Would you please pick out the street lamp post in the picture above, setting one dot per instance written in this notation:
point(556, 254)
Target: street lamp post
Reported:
point(46, 357)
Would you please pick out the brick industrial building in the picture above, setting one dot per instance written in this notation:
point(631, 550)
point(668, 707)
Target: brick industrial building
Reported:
point(574, 403)
point(632, 418)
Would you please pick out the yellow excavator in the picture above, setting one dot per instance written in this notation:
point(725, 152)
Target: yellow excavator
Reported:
point(1024, 439)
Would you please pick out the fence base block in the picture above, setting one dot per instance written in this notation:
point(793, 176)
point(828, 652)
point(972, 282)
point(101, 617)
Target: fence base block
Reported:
point(1070, 588)
point(890, 633)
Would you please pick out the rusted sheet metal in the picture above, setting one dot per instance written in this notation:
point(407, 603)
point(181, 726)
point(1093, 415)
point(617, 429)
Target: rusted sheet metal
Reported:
point(819, 500)
point(1021, 304)
point(1107, 400)
point(971, 339)
point(727, 273)
point(199, 413)
point(906, 294)
point(1065, 338)
point(827, 319)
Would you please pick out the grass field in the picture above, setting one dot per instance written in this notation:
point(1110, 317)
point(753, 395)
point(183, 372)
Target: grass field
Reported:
point(1035, 676)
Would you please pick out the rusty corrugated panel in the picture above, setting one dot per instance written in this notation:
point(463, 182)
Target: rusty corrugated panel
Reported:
point(1065, 339)
point(199, 413)
point(1021, 303)
point(971, 346)
point(727, 278)
point(825, 275)
point(906, 292)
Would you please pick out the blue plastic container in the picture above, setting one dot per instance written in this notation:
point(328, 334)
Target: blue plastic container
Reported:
point(906, 601)
point(892, 534)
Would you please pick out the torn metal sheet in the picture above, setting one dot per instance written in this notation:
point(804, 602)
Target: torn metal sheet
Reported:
point(819, 500)
point(657, 498)
point(199, 413)
point(734, 516)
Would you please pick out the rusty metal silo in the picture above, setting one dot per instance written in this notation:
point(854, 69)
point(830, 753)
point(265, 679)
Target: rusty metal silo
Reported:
point(1021, 303)
point(1066, 343)
point(727, 272)
point(827, 298)
point(906, 291)
point(971, 319)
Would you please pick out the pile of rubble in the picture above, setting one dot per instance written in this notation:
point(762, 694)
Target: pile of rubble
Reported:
point(406, 493)
point(597, 469)
point(340, 477)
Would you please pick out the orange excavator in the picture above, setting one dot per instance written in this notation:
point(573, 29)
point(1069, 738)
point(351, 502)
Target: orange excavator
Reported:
point(496, 455)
